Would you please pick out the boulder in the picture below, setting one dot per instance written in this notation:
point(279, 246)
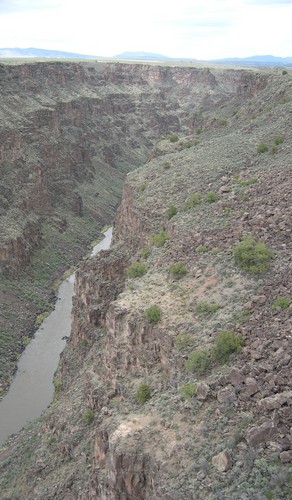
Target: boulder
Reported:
point(260, 434)
point(223, 461)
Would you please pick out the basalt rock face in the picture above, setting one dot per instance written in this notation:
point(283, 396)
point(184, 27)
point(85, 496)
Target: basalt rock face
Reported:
point(153, 409)
point(69, 133)
point(61, 123)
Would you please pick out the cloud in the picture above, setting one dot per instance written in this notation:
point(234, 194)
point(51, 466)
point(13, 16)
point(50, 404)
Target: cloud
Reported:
point(268, 2)
point(8, 6)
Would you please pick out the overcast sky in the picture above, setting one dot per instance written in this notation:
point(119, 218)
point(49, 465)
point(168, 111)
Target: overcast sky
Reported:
point(198, 29)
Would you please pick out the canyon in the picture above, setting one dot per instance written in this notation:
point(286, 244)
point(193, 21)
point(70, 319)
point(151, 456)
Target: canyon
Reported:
point(215, 145)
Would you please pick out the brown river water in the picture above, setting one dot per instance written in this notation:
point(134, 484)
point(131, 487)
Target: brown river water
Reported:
point(32, 389)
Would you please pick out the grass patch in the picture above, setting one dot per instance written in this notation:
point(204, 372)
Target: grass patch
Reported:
point(282, 302)
point(183, 341)
point(204, 308)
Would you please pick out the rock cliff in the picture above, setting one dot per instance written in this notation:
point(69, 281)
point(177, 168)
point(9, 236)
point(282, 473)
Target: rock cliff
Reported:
point(194, 401)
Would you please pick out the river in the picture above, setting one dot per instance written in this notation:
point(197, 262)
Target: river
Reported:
point(32, 388)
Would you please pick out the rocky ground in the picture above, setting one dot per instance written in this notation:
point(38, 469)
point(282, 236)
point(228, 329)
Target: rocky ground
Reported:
point(153, 404)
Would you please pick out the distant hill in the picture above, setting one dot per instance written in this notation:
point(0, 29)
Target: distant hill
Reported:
point(33, 52)
point(142, 55)
point(257, 60)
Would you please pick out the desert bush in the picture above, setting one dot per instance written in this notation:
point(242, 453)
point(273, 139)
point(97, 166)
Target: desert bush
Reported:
point(198, 361)
point(225, 344)
point(143, 393)
point(171, 211)
point(160, 238)
point(143, 187)
point(178, 270)
point(279, 139)
point(153, 314)
point(211, 197)
point(282, 302)
point(194, 200)
point(206, 308)
point(183, 341)
point(198, 130)
point(88, 416)
point(273, 149)
point(166, 165)
point(284, 72)
point(145, 252)
point(173, 137)
point(262, 147)
point(136, 270)
point(189, 390)
point(202, 249)
point(252, 256)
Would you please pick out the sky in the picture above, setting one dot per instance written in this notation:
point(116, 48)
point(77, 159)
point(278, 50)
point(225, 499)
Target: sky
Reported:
point(195, 29)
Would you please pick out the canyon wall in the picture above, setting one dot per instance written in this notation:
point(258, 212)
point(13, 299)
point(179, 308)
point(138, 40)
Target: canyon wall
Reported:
point(152, 408)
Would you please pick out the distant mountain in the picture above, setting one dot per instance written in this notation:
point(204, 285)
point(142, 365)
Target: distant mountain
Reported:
point(257, 60)
point(33, 52)
point(142, 55)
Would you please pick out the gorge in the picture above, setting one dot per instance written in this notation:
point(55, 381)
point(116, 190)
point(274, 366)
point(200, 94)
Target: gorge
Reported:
point(204, 157)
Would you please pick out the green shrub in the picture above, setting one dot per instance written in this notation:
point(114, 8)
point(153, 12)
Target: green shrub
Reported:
point(252, 256)
point(153, 314)
point(189, 390)
point(198, 130)
point(183, 341)
point(166, 165)
point(273, 149)
point(57, 384)
point(282, 302)
point(279, 139)
point(136, 270)
point(143, 393)
point(178, 270)
point(160, 238)
point(194, 200)
point(223, 121)
point(88, 416)
point(198, 361)
point(202, 249)
point(171, 211)
point(143, 187)
point(145, 252)
point(247, 182)
point(211, 197)
point(173, 137)
point(262, 147)
point(284, 72)
point(225, 344)
point(206, 308)
point(40, 318)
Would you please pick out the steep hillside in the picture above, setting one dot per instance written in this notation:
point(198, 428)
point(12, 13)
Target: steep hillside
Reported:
point(69, 133)
point(176, 382)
